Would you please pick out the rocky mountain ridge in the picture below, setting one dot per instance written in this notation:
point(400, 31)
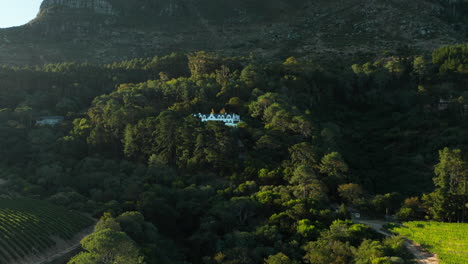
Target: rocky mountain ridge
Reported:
point(97, 6)
point(108, 30)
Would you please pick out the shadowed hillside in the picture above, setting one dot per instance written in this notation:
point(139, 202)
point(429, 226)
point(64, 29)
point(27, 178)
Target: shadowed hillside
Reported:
point(109, 30)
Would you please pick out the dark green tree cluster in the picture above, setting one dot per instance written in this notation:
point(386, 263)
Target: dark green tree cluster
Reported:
point(449, 202)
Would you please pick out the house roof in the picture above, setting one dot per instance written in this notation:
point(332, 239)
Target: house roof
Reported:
point(51, 117)
point(225, 116)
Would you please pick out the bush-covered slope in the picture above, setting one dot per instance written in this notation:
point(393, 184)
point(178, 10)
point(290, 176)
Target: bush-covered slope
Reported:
point(313, 135)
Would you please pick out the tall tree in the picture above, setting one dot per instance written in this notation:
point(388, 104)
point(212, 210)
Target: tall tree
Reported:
point(108, 247)
point(448, 201)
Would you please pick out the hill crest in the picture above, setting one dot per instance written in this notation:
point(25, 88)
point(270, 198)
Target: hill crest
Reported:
point(109, 30)
point(97, 6)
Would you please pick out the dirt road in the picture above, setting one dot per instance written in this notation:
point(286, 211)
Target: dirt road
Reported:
point(421, 255)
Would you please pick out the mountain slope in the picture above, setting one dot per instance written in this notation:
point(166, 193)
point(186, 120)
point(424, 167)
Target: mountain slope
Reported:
point(108, 30)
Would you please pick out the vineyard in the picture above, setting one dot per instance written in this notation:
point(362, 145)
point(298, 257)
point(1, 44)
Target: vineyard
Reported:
point(448, 240)
point(29, 228)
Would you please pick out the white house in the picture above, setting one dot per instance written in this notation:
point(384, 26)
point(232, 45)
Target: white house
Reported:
point(49, 120)
point(231, 120)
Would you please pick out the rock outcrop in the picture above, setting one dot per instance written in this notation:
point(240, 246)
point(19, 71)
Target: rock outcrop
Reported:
point(97, 6)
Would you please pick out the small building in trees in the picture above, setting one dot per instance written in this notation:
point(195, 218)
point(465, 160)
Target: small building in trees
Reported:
point(443, 104)
point(231, 120)
point(49, 120)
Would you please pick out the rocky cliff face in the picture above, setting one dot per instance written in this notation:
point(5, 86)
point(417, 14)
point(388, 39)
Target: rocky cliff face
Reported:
point(108, 30)
point(97, 6)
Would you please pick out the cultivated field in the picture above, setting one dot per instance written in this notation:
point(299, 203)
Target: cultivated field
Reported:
point(448, 240)
point(30, 228)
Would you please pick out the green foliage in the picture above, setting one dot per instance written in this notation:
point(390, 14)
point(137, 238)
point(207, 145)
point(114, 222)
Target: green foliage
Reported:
point(333, 165)
point(452, 58)
point(324, 251)
point(306, 229)
point(108, 246)
point(412, 209)
point(369, 251)
point(107, 222)
point(279, 258)
point(334, 168)
point(451, 171)
point(343, 213)
point(448, 201)
point(351, 192)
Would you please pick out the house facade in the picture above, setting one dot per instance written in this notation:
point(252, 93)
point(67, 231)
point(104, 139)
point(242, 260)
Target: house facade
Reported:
point(231, 120)
point(49, 120)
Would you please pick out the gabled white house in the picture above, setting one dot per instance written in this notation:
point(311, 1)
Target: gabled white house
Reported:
point(231, 120)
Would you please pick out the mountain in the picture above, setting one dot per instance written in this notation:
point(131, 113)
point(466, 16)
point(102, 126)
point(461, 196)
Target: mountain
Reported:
point(109, 30)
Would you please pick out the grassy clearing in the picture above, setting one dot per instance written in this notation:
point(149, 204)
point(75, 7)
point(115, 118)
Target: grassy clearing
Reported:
point(448, 240)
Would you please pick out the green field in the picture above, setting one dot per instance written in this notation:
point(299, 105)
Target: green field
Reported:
point(30, 227)
point(448, 240)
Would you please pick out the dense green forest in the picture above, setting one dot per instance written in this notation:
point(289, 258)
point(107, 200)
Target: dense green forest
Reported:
point(384, 137)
